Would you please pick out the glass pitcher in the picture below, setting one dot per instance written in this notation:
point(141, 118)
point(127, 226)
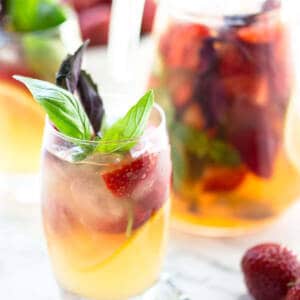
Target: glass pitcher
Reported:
point(224, 75)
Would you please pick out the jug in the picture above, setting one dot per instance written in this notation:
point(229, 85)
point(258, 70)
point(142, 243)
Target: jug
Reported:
point(225, 76)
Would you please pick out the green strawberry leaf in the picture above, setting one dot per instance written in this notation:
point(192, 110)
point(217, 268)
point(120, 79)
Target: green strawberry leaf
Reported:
point(128, 128)
point(63, 109)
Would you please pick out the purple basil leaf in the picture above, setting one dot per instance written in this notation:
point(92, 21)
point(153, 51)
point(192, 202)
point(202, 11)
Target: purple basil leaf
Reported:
point(207, 89)
point(3, 7)
point(68, 74)
point(90, 100)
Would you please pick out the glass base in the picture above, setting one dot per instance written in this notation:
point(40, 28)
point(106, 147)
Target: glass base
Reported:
point(164, 289)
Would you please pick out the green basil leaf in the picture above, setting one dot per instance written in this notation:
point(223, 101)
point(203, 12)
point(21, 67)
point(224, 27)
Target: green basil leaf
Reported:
point(63, 109)
point(34, 15)
point(195, 141)
point(128, 128)
point(199, 144)
point(224, 154)
point(180, 165)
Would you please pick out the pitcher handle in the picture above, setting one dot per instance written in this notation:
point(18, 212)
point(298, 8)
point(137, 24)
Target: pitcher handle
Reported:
point(124, 36)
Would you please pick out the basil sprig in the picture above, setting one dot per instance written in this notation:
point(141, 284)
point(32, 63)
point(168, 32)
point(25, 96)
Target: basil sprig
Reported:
point(82, 117)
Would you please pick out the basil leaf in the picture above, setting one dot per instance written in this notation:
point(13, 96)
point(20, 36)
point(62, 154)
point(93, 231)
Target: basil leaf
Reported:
point(34, 15)
point(68, 74)
point(205, 148)
point(130, 127)
point(180, 165)
point(195, 141)
point(91, 100)
point(225, 154)
point(63, 109)
point(3, 8)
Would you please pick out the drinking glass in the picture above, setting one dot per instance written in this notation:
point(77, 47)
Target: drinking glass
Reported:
point(106, 216)
point(35, 54)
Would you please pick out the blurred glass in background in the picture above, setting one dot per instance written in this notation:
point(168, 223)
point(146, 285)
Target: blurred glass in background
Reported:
point(94, 18)
point(35, 37)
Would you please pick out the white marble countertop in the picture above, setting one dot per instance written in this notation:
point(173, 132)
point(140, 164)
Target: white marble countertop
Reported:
point(203, 268)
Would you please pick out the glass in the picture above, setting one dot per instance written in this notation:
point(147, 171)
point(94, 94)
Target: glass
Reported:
point(35, 54)
point(106, 241)
point(225, 79)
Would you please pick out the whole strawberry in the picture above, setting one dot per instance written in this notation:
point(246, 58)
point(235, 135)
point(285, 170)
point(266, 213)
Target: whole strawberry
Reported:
point(294, 293)
point(269, 270)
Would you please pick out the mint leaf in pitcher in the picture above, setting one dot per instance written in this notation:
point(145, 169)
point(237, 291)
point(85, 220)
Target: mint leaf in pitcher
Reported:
point(128, 128)
point(64, 111)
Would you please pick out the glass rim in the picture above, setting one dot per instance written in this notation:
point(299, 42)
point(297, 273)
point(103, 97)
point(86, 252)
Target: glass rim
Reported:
point(49, 128)
point(193, 16)
point(16, 35)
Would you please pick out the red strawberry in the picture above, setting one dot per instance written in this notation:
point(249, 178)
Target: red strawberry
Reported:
point(122, 181)
point(181, 44)
point(269, 269)
point(149, 14)
point(94, 23)
point(221, 179)
point(80, 5)
point(294, 293)
point(140, 216)
point(262, 32)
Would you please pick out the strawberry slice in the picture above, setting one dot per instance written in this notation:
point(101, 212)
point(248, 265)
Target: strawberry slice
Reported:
point(222, 179)
point(122, 181)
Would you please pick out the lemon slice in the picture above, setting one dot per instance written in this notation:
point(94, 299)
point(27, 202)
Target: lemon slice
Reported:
point(21, 127)
point(130, 270)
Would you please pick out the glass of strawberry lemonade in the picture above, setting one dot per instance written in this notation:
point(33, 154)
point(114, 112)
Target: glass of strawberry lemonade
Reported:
point(105, 192)
point(106, 217)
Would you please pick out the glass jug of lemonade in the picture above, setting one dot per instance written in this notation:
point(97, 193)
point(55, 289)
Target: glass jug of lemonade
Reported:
point(225, 77)
point(224, 74)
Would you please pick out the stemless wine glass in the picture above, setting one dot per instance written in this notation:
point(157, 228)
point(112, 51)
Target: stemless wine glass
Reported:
point(106, 217)
point(224, 75)
point(35, 54)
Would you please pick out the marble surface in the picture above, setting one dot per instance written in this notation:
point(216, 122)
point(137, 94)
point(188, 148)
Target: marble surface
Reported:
point(202, 268)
